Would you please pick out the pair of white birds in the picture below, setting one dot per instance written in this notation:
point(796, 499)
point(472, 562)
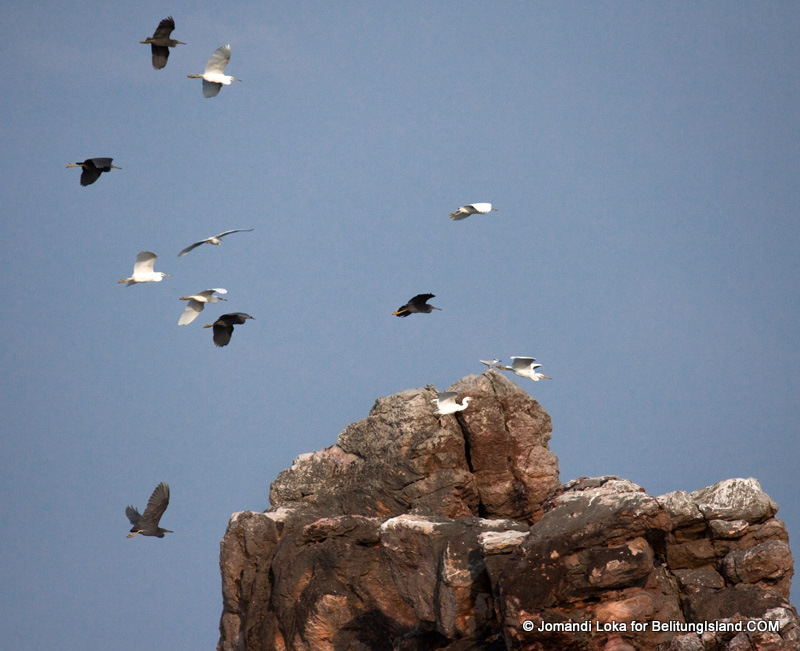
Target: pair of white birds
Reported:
point(522, 366)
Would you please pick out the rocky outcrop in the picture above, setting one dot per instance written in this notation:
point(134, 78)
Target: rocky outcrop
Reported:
point(409, 535)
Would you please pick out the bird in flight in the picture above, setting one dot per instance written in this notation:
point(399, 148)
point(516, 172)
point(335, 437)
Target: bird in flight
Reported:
point(525, 367)
point(472, 209)
point(215, 240)
point(197, 302)
point(160, 42)
point(214, 75)
point(143, 270)
point(146, 523)
point(417, 304)
point(93, 168)
point(223, 327)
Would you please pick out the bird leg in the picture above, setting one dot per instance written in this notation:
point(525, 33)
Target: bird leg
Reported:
point(133, 535)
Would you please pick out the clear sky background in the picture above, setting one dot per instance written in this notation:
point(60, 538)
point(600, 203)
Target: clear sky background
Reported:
point(645, 164)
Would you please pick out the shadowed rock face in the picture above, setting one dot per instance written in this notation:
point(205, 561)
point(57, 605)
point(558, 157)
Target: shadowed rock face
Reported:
point(409, 535)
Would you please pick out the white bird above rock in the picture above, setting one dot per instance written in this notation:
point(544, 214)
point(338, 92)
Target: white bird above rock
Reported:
point(525, 367)
point(215, 240)
point(491, 363)
point(197, 302)
point(214, 75)
point(472, 209)
point(446, 404)
point(143, 270)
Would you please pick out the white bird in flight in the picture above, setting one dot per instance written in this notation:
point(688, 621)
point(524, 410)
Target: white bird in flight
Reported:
point(489, 362)
point(143, 270)
point(215, 240)
point(197, 302)
point(214, 75)
point(446, 404)
point(525, 367)
point(472, 209)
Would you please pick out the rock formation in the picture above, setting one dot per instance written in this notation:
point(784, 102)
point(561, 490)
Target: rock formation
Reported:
point(412, 535)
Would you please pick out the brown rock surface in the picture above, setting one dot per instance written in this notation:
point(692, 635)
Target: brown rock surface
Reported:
point(407, 535)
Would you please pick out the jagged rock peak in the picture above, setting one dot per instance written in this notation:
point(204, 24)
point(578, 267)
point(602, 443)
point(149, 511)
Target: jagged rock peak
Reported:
point(409, 536)
point(491, 460)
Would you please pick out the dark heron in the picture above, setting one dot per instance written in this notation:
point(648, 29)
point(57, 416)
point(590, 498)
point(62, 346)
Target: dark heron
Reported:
point(214, 75)
point(160, 42)
point(93, 168)
point(417, 304)
point(147, 524)
point(223, 327)
point(213, 240)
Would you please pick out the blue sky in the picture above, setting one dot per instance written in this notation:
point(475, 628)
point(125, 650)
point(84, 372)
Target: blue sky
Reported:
point(644, 161)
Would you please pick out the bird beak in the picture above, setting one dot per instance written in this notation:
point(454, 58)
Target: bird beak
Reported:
point(116, 168)
point(436, 308)
point(222, 299)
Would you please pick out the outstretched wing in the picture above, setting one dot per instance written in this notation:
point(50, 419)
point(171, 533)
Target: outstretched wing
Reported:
point(133, 515)
point(222, 334)
point(211, 88)
point(193, 308)
point(160, 55)
point(164, 28)
point(191, 247)
point(218, 61)
point(156, 505)
point(235, 230)
point(144, 262)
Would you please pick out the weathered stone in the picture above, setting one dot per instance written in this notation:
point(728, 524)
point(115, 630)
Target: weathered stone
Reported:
point(735, 499)
point(409, 536)
point(770, 560)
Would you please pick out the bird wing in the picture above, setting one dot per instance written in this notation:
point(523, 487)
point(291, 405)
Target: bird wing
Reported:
point(211, 88)
point(191, 247)
point(133, 515)
point(208, 292)
point(160, 55)
point(89, 175)
point(144, 262)
point(156, 505)
point(103, 164)
point(222, 333)
point(447, 396)
point(420, 299)
point(218, 61)
point(235, 230)
point(193, 308)
point(521, 362)
point(164, 28)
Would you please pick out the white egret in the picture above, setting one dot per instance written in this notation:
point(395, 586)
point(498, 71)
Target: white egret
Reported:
point(143, 270)
point(223, 327)
point(446, 404)
point(93, 168)
point(525, 367)
point(472, 209)
point(197, 302)
point(160, 42)
point(417, 304)
point(214, 75)
point(215, 240)
point(489, 362)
